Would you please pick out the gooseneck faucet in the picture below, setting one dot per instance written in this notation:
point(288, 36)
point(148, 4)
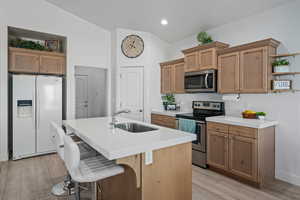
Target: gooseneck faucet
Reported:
point(113, 120)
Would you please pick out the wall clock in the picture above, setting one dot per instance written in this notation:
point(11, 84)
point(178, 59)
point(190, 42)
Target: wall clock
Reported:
point(132, 46)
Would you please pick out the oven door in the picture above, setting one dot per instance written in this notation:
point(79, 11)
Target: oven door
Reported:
point(200, 143)
point(203, 81)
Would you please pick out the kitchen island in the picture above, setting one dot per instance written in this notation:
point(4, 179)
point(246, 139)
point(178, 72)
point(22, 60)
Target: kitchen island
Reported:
point(158, 163)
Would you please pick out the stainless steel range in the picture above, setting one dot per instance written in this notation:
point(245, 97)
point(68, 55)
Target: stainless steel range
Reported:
point(201, 110)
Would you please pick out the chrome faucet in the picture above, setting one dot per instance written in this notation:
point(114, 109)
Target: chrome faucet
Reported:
point(113, 120)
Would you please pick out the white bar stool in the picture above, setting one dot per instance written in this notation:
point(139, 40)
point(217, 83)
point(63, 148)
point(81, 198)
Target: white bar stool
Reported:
point(87, 170)
point(58, 134)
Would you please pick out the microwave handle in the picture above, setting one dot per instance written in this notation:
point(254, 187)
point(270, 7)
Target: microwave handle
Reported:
point(206, 80)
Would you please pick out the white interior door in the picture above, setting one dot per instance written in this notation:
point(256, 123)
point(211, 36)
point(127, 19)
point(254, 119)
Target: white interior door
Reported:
point(24, 137)
point(49, 109)
point(82, 96)
point(132, 92)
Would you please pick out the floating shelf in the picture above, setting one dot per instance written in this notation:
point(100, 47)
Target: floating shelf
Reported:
point(280, 91)
point(284, 73)
point(284, 55)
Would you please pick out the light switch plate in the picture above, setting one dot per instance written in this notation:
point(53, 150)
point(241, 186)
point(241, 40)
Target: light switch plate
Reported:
point(148, 158)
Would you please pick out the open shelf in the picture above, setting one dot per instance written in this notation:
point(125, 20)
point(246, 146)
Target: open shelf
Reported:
point(284, 73)
point(284, 55)
point(280, 91)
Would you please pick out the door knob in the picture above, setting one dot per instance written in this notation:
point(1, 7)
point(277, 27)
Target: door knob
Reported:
point(140, 110)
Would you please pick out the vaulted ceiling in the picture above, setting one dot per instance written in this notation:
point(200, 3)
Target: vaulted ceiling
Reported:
point(185, 17)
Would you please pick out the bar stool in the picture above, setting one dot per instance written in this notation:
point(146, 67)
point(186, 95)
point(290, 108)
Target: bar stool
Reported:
point(58, 134)
point(87, 170)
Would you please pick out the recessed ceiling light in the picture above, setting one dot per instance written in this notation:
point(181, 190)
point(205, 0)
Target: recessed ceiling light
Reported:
point(164, 22)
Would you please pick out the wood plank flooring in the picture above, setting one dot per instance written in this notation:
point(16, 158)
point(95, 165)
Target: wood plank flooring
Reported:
point(32, 179)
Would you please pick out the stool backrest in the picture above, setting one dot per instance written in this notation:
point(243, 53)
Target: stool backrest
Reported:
point(58, 138)
point(71, 155)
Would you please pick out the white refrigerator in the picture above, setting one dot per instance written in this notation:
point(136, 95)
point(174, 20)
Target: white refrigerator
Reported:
point(37, 101)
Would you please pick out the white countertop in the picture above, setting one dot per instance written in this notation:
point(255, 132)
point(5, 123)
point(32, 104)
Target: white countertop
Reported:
point(168, 112)
point(252, 123)
point(116, 143)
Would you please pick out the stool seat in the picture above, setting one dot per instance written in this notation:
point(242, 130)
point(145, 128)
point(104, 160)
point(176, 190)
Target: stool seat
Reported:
point(96, 168)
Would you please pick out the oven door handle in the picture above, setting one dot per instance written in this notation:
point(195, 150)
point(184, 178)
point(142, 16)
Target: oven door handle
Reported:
point(206, 80)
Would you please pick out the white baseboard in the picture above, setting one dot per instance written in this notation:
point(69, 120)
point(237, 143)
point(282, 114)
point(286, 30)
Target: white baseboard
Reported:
point(288, 177)
point(3, 157)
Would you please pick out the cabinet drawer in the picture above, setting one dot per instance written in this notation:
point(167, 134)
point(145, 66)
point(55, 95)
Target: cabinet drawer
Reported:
point(163, 120)
point(218, 127)
point(243, 131)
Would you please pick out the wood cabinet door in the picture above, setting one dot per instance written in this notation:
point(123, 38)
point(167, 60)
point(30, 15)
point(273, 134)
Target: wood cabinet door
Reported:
point(254, 70)
point(23, 62)
point(178, 79)
point(228, 73)
point(166, 79)
point(243, 157)
point(217, 149)
point(52, 64)
point(191, 61)
point(208, 59)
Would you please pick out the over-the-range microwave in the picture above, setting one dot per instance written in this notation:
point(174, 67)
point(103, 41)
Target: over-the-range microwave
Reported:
point(201, 81)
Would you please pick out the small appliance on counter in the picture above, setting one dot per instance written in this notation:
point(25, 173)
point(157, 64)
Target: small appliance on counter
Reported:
point(196, 123)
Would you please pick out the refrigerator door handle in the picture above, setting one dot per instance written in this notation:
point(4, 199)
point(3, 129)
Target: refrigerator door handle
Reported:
point(37, 109)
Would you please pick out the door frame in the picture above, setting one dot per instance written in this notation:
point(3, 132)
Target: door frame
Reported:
point(118, 92)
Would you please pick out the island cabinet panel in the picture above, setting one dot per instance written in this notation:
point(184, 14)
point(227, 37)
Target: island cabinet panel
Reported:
point(244, 153)
point(243, 157)
point(253, 70)
point(23, 62)
point(172, 76)
point(217, 148)
point(163, 120)
point(52, 64)
point(169, 177)
point(228, 73)
point(192, 62)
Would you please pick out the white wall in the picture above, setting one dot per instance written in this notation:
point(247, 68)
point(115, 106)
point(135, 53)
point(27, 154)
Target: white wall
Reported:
point(88, 45)
point(281, 23)
point(155, 52)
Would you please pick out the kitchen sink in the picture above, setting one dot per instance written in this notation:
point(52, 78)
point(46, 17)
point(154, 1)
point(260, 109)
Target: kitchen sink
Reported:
point(135, 127)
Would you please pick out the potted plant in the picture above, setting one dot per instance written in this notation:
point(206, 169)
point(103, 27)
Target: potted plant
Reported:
point(168, 99)
point(281, 65)
point(261, 115)
point(204, 38)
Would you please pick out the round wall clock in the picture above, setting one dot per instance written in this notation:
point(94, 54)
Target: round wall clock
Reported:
point(132, 46)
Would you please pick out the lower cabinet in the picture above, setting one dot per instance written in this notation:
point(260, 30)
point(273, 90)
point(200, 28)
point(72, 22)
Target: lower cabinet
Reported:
point(163, 120)
point(217, 148)
point(242, 152)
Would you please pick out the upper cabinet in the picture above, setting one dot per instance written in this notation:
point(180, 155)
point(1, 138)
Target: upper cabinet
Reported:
point(246, 68)
point(172, 76)
point(36, 62)
point(202, 57)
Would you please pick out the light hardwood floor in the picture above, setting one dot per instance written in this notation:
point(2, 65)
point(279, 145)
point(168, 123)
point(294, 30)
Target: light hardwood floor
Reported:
point(32, 179)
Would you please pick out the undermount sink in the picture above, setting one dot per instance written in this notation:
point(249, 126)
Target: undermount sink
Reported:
point(135, 127)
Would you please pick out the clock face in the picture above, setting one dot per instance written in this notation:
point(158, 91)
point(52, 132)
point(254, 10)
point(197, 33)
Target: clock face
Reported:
point(132, 46)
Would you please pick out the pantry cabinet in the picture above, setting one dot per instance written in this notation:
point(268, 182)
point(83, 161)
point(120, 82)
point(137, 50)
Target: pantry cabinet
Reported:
point(172, 76)
point(36, 62)
point(202, 57)
point(246, 68)
point(247, 154)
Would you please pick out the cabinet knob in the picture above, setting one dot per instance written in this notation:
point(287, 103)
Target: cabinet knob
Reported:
point(242, 162)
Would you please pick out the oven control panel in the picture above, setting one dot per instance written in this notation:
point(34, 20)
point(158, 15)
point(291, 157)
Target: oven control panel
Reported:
point(208, 105)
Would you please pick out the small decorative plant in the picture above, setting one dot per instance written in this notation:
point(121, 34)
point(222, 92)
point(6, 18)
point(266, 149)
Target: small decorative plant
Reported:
point(27, 44)
point(168, 99)
point(261, 115)
point(281, 65)
point(204, 38)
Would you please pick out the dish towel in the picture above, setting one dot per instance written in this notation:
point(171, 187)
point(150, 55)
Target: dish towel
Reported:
point(187, 125)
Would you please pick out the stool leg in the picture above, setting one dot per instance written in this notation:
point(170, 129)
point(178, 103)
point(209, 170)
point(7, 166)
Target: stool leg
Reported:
point(77, 191)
